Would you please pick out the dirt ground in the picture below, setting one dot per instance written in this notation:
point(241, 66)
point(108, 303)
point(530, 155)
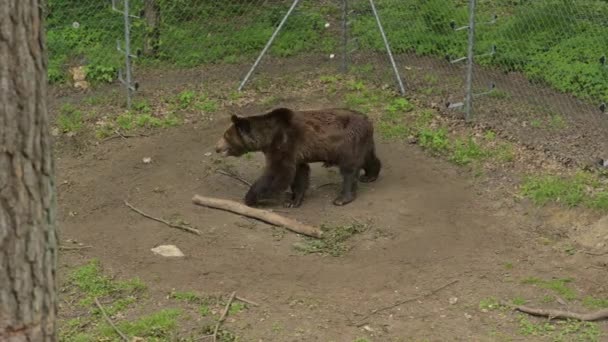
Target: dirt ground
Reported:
point(437, 238)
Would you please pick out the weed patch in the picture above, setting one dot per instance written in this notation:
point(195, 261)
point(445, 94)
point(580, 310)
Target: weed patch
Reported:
point(333, 242)
point(582, 189)
point(559, 286)
point(70, 119)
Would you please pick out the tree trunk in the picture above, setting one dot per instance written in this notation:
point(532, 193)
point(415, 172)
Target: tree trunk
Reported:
point(152, 16)
point(28, 244)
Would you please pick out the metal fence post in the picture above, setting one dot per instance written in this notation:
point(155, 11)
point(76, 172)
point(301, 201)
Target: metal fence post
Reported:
point(469, 79)
point(274, 35)
point(344, 36)
point(388, 48)
point(128, 82)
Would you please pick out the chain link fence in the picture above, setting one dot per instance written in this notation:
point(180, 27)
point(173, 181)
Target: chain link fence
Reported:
point(526, 66)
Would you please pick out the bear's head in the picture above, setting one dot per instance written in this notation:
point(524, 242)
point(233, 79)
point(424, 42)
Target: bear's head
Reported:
point(254, 133)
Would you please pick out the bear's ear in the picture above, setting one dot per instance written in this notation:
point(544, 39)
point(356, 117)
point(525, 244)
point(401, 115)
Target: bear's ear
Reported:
point(242, 124)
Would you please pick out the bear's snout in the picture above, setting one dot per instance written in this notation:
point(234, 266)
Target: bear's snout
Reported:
point(222, 147)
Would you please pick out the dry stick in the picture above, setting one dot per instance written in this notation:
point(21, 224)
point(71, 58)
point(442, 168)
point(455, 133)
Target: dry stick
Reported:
point(177, 226)
point(559, 314)
point(105, 316)
point(595, 253)
point(219, 322)
point(401, 302)
point(233, 176)
point(73, 248)
point(244, 300)
point(263, 215)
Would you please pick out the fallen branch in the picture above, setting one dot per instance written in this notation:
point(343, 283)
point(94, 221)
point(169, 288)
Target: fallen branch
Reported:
point(244, 300)
point(177, 226)
point(401, 302)
point(224, 314)
point(233, 176)
point(324, 185)
point(259, 214)
point(595, 253)
point(105, 316)
point(73, 248)
point(118, 134)
point(559, 314)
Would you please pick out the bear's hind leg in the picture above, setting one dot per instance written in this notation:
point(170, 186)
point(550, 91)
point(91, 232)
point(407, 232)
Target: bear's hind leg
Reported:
point(371, 166)
point(299, 186)
point(349, 186)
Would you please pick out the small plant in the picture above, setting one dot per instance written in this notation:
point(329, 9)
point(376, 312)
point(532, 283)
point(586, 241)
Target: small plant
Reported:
point(236, 308)
point(204, 310)
point(518, 301)
point(100, 73)
point(189, 297)
point(70, 119)
point(499, 94)
point(489, 304)
point(126, 121)
point(434, 140)
point(207, 105)
point(185, 99)
point(399, 105)
point(595, 303)
point(557, 122)
point(142, 106)
point(465, 152)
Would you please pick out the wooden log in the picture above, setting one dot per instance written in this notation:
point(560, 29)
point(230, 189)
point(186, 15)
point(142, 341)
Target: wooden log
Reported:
point(260, 214)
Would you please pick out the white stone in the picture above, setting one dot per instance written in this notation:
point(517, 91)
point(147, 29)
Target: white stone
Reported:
point(167, 251)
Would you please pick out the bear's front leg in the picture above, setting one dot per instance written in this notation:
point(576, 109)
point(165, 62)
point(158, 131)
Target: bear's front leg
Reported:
point(268, 185)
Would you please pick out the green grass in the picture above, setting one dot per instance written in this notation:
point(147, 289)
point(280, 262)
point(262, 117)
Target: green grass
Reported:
point(560, 331)
point(333, 242)
point(467, 151)
point(595, 303)
point(581, 189)
point(559, 286)
point(532, 37)
point(159, 326)
point(70, 119)
point(92, 283)
point(435, 140)
point(189, 297)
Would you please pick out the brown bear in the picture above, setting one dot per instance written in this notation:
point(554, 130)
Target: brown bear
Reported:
point(292, 139)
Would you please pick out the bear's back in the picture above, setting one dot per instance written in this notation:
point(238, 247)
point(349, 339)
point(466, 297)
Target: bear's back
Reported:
point(327, 135)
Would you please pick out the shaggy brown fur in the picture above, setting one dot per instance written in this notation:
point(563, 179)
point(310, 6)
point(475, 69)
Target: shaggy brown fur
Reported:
point(292, 139)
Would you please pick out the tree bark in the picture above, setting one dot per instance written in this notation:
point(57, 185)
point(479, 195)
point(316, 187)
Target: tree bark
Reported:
point(152, 16)
point(28, 243)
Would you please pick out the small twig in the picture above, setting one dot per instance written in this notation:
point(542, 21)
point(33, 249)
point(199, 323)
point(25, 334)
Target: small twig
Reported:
point(233, 176)
point(595, 253)
point(224, 314)
point(105, 316)
point(177, 226)
point(73, 248)
point(401, 302)
point(324, 185)
point(559, 314)
point(118, 134)
point(244, 300)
